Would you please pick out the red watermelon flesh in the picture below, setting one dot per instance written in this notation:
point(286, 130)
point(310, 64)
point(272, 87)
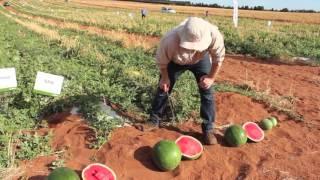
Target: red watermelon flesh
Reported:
point(253, 131)
point(190, 147)
point(98, 171)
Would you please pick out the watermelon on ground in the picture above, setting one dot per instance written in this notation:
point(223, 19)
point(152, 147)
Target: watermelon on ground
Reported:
point(274, 121)
point(253, 131)
point(190, 147)
point(166, 155)
point(98, 171)
point(266, 124)
point(63, 173)
point(235, 135)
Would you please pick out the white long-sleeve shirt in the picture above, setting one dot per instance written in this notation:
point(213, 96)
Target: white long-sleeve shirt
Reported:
point(169, 49)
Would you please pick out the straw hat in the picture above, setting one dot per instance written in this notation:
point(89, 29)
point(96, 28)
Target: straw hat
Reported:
point(195, 34)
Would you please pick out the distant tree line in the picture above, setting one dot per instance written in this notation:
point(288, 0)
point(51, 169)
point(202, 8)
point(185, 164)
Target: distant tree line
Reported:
point(181, 3)
point(256, 8)
point(215, 5)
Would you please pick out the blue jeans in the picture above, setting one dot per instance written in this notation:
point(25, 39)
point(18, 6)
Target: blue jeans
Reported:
point(207, 108)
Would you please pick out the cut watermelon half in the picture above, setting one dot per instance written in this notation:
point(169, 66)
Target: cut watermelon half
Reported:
point(190, 147)
point(98, 171)
point(253, 131)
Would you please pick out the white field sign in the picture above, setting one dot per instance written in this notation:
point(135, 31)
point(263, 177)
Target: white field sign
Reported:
point(8, 80)
point(48, 84)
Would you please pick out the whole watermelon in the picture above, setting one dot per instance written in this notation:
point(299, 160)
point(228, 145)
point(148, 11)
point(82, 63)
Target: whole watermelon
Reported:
point(166, 155)
point(235, 135)
point(274, 121)
point(266, 124)
point(63, 173)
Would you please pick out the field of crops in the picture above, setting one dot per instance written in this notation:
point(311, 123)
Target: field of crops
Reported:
point(85, 61)
point(313, 18)
point(54, 37)
point(253, 37)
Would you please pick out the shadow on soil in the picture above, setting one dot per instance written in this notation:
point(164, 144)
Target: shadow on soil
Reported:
point(198, 135)
point(144, 156)
point(38, 178)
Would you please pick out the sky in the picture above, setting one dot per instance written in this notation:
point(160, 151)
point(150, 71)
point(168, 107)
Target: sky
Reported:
point(268, 4)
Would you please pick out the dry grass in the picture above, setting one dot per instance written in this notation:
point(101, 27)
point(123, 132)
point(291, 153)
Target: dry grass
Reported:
point(128, 40)
point(71, 44)
point(11, 172)
point(316, 80)
point(50, 34)
point(312, 18)
point(284, 103)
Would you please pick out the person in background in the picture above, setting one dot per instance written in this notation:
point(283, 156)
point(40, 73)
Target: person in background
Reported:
point(197, 46)
point(207, 13)
point(144, 13)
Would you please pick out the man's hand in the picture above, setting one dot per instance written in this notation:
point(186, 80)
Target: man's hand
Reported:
point(206, 82)
point(164, 84)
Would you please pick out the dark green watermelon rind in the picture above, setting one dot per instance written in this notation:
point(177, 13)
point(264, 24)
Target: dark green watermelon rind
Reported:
point(63, 173)
point(158, 164)
point(264, 124)
point(163, 165)
point(232, 139)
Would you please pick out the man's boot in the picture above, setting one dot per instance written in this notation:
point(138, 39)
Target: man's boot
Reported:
point(151, 124)
point(209, 138)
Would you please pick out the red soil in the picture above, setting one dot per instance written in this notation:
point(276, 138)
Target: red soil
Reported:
point(300, 82)
point(290, 151)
